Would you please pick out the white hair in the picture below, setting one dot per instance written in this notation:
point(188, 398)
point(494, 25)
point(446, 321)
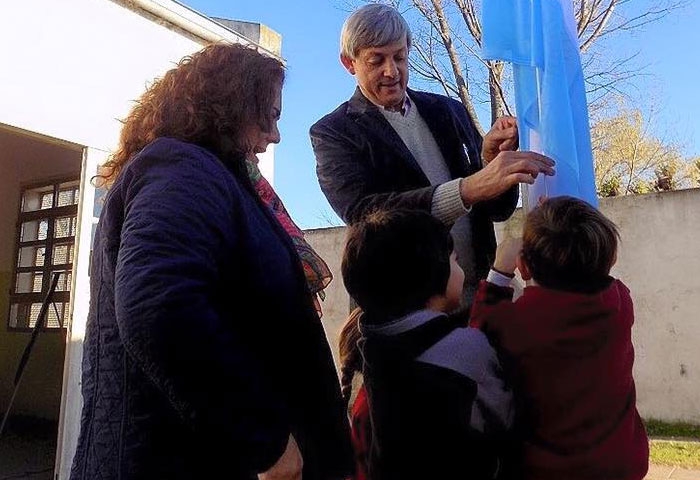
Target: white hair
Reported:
point(373, 25)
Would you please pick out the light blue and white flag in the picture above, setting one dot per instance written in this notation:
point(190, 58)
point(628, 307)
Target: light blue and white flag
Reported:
point(539, 38)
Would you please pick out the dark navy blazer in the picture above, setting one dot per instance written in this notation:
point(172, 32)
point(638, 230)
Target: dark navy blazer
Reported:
point(203, 350)
point(362, 164)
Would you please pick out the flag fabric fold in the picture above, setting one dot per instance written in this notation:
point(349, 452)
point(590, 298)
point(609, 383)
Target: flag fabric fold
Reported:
point(539, 38)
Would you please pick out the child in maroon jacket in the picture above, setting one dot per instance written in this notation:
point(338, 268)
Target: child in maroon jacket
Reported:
point(569, 340)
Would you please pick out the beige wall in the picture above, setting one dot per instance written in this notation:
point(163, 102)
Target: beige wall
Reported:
point(329, 243)
point(659, 260)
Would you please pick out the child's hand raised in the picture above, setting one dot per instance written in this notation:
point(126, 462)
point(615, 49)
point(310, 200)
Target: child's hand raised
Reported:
point(506, 254)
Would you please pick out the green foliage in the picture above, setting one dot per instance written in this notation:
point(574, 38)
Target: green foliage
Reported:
point(695, 172)
point(639, 187)
point(666, 177)
point(658, 428)
point(684, 451)
point(609, 187)
point(681, 454)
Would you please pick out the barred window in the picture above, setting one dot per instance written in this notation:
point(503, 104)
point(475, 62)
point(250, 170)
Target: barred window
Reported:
point(45, 245)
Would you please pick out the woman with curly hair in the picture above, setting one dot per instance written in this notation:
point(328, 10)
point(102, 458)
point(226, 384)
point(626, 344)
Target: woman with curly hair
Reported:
point(204, 356)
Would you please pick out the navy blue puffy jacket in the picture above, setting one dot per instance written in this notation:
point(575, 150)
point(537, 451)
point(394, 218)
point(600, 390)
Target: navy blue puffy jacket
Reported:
point(203, 350)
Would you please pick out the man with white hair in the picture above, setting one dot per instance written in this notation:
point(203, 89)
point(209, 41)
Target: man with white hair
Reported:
point(393, 147)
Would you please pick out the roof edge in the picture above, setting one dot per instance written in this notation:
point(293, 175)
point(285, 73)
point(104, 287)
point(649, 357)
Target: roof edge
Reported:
point(193, 22)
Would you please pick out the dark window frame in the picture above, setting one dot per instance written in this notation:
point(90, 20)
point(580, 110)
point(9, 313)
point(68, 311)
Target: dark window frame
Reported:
point(62, 296)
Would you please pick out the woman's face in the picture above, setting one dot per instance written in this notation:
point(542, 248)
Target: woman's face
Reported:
point(258, 140)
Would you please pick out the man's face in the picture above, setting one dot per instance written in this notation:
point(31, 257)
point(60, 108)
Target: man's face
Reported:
point(381, 73)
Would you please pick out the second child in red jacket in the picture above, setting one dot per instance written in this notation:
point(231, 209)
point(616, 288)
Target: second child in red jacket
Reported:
point(569, 339)
point(350, 370)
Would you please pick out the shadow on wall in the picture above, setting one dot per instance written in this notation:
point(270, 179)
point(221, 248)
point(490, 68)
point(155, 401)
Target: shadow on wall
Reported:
point(39, 394)
point(28, 443)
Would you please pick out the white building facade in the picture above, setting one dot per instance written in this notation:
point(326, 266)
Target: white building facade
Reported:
point(71, 69)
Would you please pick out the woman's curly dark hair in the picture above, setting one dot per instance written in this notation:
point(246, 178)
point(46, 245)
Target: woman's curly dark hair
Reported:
point(211, 98)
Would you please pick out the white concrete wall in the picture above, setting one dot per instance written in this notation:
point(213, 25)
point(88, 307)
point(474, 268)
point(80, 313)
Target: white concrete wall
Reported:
point(659, 259)
point(75, 66)
point(72, 400)
point(329, 243)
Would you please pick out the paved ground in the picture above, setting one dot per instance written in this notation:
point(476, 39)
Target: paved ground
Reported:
point(663, 472)
point(27, 451)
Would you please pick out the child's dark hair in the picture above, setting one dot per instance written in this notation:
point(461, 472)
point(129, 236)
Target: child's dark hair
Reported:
point(349, 353)
point(569, 245)
point(395, 261)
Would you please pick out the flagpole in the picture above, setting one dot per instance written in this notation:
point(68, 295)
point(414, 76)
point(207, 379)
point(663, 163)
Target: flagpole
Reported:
point(539, 111)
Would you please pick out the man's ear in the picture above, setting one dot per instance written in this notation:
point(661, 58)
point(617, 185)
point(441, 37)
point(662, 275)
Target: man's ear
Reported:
point(348, 64)
point(523, 268)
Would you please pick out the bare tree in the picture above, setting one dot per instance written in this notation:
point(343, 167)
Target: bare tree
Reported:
point(327, 219)
point(448, 39)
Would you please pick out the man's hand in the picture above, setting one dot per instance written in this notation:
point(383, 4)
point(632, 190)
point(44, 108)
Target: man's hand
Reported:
point(289, 465)
point(507, 169)
point(502, 137)
point(506, 254)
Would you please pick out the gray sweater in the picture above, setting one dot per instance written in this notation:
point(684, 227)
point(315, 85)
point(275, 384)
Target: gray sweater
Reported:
point(447, 203)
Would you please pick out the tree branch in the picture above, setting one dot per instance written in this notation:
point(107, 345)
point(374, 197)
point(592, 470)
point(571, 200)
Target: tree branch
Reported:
point(466, 8)
point(443, 29)
point(601, 24)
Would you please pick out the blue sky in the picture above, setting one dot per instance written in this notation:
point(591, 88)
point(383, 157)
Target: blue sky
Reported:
point(317, 83)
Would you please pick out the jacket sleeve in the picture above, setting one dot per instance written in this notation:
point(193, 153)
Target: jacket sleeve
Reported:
point(177, 227)
point(501, 208)
point(498, 209)
point(347, 179)
point(494, 312)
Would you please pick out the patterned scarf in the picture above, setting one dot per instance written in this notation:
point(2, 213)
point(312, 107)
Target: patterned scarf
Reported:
point(317, 273)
